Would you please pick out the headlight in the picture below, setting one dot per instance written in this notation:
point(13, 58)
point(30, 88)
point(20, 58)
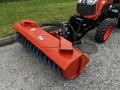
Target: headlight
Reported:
point(80, 1)
point(89, 2)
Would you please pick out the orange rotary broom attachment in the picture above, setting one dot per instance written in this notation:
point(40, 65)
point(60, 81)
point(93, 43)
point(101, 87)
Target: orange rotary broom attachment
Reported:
point(51, 48)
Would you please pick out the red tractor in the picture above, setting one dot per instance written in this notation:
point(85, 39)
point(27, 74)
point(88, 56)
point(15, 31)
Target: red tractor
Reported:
point(57, 49)
point(92, 14)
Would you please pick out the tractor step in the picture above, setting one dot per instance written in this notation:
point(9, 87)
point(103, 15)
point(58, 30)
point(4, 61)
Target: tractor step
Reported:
point(51, 48)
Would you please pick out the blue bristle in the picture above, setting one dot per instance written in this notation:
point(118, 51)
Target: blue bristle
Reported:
point(49, 63)
point(37, 53)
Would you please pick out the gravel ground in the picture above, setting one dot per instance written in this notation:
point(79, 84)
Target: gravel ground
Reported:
point(20, 70)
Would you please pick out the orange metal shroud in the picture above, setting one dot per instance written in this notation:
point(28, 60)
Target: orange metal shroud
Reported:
point(59, 50)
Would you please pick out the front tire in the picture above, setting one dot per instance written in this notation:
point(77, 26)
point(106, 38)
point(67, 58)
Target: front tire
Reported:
point(103, 31)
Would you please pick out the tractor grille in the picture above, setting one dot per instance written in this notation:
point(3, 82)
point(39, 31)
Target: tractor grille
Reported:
point(86, 10)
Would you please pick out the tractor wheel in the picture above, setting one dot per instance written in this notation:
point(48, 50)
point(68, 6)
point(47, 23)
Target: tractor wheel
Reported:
point(118, 20)
point(103, 31)
point(119, 23)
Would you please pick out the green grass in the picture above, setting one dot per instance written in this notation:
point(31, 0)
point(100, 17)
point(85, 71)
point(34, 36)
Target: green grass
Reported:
point(39, 10)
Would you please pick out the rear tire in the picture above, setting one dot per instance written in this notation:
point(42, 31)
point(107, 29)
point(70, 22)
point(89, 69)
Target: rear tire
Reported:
point(103, 31)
